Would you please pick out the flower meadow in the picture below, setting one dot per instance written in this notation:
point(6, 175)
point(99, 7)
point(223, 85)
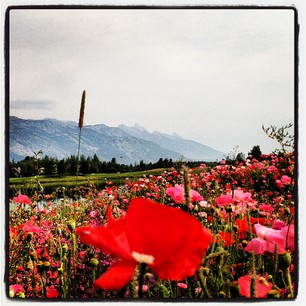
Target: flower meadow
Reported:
point(221, 232)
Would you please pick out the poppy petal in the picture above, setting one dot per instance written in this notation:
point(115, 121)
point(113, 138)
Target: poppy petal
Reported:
point(111, 239)
point(175, 239)
point(117, 276)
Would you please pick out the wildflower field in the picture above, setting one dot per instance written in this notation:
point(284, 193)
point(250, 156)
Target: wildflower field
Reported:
point(222, 232)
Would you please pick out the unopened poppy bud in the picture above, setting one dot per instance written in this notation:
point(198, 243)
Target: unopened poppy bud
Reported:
point(71, 225)
point(11, 293)
point(287, 211)
point(148, 275)
point(219, 249)
point(93, 262)
point(64, 258)
point(284, 260)
point(222, 294)
point(234, 289)
point(206, 271)
point(273, 294)
point(196, 208)
point(270, 277)
point(65, 248)
point(60, 271)
point(39, 266)
point(46, 265)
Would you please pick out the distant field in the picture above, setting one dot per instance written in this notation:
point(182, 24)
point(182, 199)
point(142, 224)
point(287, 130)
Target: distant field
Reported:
point(50, 183)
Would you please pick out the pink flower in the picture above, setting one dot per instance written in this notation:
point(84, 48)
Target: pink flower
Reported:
point(182, 285)
point(22, 199)
point(267, 239)
point(288, 233)
point(177, 193)
point(93, 213)
point(224, 200)
point(17, 288)
point(285, 179)
point(265, 209)
point(30, 227)
point(262, 286)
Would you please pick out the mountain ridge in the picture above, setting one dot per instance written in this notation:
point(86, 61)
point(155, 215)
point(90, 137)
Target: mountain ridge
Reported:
point(128, 145)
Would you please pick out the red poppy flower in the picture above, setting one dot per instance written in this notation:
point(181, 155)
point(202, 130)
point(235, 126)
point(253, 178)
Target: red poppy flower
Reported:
point(262, 286)
point(51, 292)
point(226, 237)
point(169, 240)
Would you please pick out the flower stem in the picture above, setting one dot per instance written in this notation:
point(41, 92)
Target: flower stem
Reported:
point(288, 276)
point(140, 280)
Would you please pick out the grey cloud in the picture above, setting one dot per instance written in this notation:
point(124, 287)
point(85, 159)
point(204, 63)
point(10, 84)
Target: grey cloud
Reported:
point(32, 104)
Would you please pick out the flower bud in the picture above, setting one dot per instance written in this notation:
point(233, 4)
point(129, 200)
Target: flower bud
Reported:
point(222, 294)
point(287, 211)
point(93, 262)
point(71, 225)
point(46, 265)
point(39, 266)
point(273, 294)
point(11, 293)
point(206, 271)
point(65, 248)
point(284, 260)
point(60, 271)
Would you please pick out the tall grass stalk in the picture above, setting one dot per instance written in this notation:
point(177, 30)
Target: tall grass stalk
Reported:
point(81, 124)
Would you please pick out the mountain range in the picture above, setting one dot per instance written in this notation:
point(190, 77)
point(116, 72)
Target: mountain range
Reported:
point(128, 145)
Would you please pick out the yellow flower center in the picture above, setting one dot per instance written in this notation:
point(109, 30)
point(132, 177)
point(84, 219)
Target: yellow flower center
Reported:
point(143, 258)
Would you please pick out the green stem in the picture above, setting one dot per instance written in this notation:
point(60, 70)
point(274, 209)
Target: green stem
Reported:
point(253, 276)
point(288, 276)
point(203, 284)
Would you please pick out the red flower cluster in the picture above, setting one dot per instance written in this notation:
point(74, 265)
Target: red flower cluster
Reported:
point(170, 241)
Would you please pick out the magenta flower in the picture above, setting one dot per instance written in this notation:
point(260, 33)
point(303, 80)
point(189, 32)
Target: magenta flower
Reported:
point(285, 179)
point(22, 199)
point(17, 288)
point(224, 200)
point(177, 193)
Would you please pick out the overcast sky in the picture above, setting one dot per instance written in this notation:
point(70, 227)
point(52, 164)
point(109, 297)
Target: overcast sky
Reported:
point(213, 76)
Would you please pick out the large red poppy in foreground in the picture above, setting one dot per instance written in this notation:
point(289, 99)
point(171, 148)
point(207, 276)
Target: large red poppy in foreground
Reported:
point(169, 240)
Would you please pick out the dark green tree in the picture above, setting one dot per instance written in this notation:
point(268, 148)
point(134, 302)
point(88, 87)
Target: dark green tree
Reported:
point(255, 152)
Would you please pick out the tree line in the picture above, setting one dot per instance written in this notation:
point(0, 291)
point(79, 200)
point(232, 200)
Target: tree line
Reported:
point(47, 165)
point(85, 165)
